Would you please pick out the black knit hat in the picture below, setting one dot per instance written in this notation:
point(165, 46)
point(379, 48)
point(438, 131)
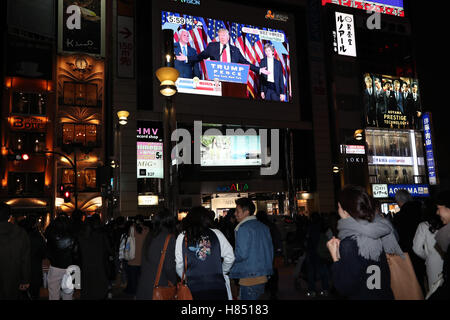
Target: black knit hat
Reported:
point(443, 198)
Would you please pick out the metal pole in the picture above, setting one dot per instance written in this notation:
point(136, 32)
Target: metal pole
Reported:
point(166, 144)
point(75, 193)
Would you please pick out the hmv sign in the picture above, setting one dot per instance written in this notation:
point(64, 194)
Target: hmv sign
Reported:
point(81, 27)
point(149, 147)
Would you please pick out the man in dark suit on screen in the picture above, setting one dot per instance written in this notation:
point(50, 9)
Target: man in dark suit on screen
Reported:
point(380, 100)
point(416, 107)
point(187, 69)
point(398, 95)
point(272, 84)
point(222, 51)
point(369, 102)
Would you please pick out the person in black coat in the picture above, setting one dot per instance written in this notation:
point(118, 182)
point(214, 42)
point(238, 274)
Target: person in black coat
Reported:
point(272, 84)
point(163, 225)
point(37, 251)
point(220, 51)
point(62, 251)
point(187, 69)
point(15, 257)
point(405, 223)
point(95, 251)
point(316, 267)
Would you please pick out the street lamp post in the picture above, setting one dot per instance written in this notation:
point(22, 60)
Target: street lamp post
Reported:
point(167, 76)
point(123, 120)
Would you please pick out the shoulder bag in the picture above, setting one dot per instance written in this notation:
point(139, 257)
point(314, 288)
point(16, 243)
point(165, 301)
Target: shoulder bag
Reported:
point(163, 293)
point(183, 292)
point(404, 282)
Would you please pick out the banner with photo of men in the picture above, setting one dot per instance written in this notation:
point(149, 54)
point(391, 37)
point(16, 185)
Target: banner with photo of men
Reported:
point(391, 102)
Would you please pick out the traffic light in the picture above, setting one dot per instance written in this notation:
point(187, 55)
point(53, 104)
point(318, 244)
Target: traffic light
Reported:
point(18, 156)
point(66, 195)
point(65, 192)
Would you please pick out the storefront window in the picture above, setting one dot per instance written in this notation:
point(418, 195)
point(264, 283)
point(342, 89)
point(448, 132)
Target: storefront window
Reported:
point(68, 133)
point(27, 142)
point(90, 178)
point(391, 157)
point(86, 179)
point(80, 94)
point(91, 135)
point(80, 133)
point(25, 183)
point(29, 103)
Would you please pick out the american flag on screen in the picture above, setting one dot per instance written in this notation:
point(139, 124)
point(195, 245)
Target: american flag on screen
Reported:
point(205, 30)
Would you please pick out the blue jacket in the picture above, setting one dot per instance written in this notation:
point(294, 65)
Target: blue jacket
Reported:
point(254, 250)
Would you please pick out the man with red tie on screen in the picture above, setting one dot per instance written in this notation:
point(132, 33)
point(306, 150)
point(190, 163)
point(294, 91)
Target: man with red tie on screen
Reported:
point(222, 51)
point(272, 84)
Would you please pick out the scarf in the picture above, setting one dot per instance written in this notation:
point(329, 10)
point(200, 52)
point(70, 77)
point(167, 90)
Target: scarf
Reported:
point(372, 238)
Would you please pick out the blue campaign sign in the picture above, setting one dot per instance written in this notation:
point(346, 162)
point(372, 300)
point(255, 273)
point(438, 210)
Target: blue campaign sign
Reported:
point(416, 190)
point(226, 71)
point(429, 148)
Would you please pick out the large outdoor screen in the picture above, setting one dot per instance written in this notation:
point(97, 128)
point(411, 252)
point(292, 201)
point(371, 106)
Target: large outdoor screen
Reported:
point(391, 102)
point(392, 7)
point(230, 151)
point(229, 59)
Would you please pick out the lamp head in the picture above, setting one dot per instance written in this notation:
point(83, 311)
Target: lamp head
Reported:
point(167, 76)
point(358, 134)
point(123, 117)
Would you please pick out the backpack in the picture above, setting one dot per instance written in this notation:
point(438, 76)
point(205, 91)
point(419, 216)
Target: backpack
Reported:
point(129, 246)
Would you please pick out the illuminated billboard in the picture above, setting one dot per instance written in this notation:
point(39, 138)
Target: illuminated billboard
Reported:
point(391, 102)
point(149, 150)
point(395, 156)
point(391, 7)
point(230, 151)
point(223, 58)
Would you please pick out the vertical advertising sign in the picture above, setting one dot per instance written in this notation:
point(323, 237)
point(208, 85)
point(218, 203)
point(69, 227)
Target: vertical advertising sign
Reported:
point(345, 35)
point(81, 27)
point(125, 39)
point(429, 148)
point(150, 162)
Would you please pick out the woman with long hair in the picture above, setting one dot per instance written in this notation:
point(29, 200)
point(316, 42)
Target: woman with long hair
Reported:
point(163, 225)
point(360, 269)
point(204, 249)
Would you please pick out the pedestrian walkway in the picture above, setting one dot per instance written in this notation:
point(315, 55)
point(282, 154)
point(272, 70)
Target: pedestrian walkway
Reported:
point(289, 289)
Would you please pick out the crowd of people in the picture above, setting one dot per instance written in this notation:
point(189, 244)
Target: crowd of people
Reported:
point(234, 257)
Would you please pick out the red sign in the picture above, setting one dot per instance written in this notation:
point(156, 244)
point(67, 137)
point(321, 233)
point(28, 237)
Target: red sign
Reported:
point(19, 123)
